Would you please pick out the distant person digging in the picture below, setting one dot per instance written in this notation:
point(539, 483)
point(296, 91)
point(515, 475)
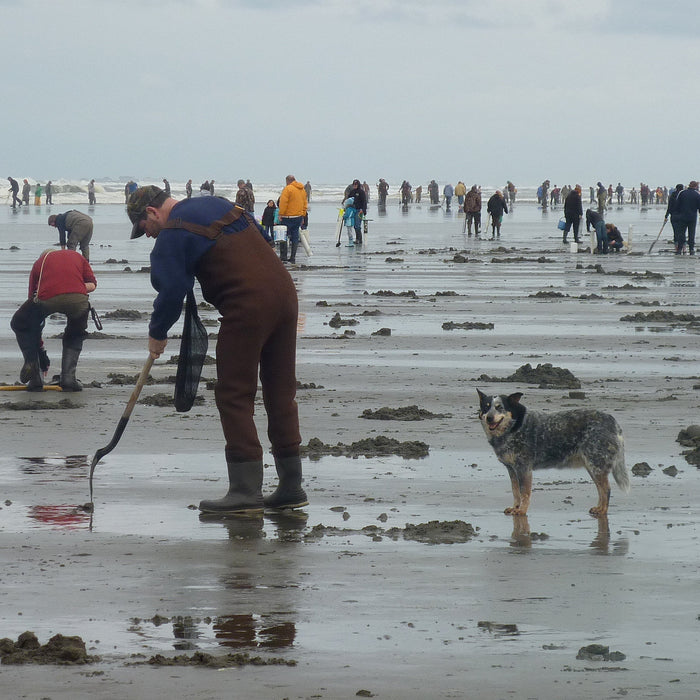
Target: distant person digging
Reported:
point(595, 220)
point(77, 226)
point(615, 242)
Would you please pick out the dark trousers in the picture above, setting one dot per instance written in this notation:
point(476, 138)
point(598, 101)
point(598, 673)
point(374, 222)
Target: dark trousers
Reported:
point(572, 221)
point(678, 233)
point(474, 216)
point(28, 321)
point(689, 227)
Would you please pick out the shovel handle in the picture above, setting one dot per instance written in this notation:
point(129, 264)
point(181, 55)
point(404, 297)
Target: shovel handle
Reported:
point(121, 426)
point(137, 389)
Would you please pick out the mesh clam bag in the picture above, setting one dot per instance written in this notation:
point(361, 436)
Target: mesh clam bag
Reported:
point(193, 351)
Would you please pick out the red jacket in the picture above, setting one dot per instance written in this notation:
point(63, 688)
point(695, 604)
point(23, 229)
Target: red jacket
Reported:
point(60, 272)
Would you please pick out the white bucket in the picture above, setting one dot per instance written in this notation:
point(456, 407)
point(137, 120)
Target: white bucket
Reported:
point(573, 247)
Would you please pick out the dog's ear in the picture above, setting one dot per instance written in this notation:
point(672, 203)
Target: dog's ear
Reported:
point(515, 398)
point(484, 401)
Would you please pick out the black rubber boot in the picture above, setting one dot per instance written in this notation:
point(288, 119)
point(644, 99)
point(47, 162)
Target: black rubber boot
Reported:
point(30, 374)
point(293, 256)
point(283, 251)
point(244, 495)
point(69, 363)
point(289, 494)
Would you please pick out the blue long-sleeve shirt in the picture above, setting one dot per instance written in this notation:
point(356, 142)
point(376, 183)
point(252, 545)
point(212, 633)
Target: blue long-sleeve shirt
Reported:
point(688, 204)
point(176, 254)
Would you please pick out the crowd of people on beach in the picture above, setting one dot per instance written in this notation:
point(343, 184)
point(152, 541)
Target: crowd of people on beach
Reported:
point(356, 199)
point(255, 295)
point(17, 201)
point(604, 197)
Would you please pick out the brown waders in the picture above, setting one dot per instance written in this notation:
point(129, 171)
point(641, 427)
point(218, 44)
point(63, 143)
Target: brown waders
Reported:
point(248, 284)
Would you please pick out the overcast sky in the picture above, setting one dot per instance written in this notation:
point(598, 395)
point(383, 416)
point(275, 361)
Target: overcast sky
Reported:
point(477, 90)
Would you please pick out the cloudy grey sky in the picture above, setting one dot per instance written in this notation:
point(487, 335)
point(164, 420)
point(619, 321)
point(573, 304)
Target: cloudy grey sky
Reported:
point(479, 90)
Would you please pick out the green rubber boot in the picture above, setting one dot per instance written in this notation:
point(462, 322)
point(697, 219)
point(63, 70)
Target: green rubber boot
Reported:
point(244, 495)
point(289, 494)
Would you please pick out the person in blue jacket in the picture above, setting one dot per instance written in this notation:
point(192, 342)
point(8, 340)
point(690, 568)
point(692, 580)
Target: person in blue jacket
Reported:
point(350, 216)
point(678, 228)
point(687, 207)
point(217, 242)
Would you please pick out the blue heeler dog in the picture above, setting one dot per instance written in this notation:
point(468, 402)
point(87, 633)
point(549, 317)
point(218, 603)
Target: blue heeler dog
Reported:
point(525, 440)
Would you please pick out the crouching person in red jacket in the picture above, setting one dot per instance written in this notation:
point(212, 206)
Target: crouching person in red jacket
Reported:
point(59, 282)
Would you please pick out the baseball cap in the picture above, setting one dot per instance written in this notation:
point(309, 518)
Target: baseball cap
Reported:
point(136, 208)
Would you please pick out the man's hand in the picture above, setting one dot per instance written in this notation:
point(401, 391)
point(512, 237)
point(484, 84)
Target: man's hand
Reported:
point(156, 347)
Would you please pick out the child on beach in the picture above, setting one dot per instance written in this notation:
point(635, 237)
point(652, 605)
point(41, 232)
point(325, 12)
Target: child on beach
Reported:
point(349, 216)
point(268, 221)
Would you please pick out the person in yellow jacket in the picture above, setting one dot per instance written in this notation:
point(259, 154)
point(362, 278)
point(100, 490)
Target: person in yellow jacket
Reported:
point(292, 210)
point(460, 192)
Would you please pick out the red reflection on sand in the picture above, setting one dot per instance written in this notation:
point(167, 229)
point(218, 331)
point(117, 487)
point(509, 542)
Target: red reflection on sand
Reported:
point(68, 516)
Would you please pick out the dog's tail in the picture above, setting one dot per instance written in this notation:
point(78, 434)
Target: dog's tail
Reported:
point(619, 470)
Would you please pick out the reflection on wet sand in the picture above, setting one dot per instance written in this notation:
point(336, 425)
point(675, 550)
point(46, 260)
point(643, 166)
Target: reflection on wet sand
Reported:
point(240, 527)
point(246, 576)
point(251, 631)
point(523, 538)
point(72, 466)
point(70, 517)
point(601, 542)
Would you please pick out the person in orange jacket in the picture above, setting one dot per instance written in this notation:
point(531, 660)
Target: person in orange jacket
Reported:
point(293, 207)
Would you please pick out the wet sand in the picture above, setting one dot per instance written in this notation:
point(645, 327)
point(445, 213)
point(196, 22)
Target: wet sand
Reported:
point(350, 598)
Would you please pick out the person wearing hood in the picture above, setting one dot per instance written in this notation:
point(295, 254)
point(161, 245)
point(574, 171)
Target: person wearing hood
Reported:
point(26, 188)
point(48, 191)
point(357, 193)
point(602, 195)
point(496, 206)
point(293, 207)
